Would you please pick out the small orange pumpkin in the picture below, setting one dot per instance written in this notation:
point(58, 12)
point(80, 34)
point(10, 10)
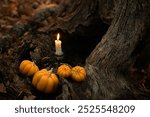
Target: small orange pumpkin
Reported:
point(28, 67)
point(45, 81)
point(64, 71)
point(78, 73)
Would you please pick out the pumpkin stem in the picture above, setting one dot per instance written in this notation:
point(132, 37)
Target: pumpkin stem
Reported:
point(33, 63)
point(50, 71)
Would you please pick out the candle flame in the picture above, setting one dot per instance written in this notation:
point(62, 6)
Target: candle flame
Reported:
point(58, 36)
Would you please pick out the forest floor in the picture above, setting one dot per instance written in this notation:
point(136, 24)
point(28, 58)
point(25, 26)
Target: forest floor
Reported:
point(16, 11)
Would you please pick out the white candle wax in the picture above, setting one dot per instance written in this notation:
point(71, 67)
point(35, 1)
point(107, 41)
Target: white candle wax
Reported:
point(58, 49)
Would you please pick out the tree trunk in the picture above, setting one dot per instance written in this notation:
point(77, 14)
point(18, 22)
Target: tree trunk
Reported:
point(110, 61)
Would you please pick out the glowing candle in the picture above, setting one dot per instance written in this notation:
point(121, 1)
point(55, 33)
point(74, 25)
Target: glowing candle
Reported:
point(58, 49)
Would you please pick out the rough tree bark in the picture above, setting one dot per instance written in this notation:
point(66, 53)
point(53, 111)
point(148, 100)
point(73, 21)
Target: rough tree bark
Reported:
point(110, 61)
point(108, 64)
